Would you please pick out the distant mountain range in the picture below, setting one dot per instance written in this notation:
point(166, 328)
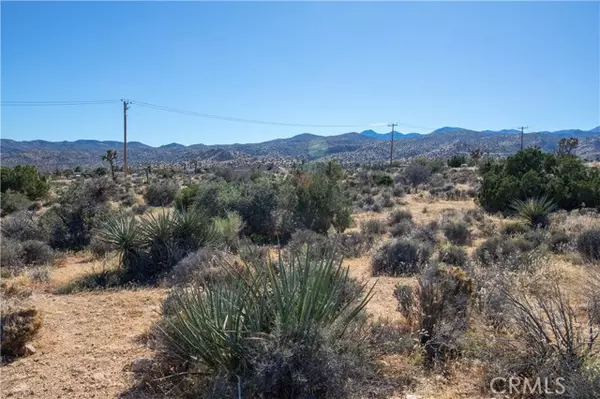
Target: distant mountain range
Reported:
point(449, 129)
point(367, 146)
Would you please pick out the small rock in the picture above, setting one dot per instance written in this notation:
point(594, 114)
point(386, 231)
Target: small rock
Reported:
point(141, 365)
point(29, 349)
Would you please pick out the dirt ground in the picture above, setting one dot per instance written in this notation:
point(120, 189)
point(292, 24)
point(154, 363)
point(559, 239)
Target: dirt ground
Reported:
point(86, 342)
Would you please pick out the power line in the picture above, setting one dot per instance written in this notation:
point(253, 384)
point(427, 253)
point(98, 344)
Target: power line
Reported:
point(233, 119)
point(194, 113)
point(53, 103)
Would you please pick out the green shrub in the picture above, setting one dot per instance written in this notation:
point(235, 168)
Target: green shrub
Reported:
point(228, 230)
point(400, 257)
point(18, 326)
point(588, 245)
point(80, 209)
point(457, 233)
point(37, 253)
point(383, 180)
point(456, 161)
point(24, 179)
point(320, 201)
point(161, 193)
point(565, 180)
point(11, 202)
point(272, 329)
point(186, 197)
point(453, 255)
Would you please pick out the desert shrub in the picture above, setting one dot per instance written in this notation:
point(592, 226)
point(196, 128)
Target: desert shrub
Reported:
point(18, 327)
point(186, 197)
point(37, 253)
point(402, 228)
point(228, 230)
point(39, 274)
point(128, 199)
point(200, 268)
point(456, 161)
point(382, 179)
point(22, 227)
point(511, 229)
point(139, 209)
point(417, 173)
point(565, 180)
point(400, 257)
point(439, 308)
point(588, 245)
point(24, 179)
point(161, 193)
point(281, 330)
point(319, 199)
point(99, 247)
point(353, 245)
point(252, 253)
point(399, 191)
point(399, 215)
point(494, 249)
point(318, 245)
point(457, 233)
point(11, 202)
point(386, 200)
point(373, 227)
point(547, 343)
point(80, 209)
point(559, 241)
point(534, 211)
point(258, 205)
point(453, 255)
point(427, 233)
point(11, 254)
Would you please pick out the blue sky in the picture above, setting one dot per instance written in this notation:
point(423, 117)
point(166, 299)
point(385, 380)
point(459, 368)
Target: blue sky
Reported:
point(479, 65)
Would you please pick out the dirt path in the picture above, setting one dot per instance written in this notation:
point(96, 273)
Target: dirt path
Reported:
point(86, 341)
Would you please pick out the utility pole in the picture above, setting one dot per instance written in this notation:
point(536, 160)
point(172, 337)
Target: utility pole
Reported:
point(392, 148)
point(523, 128)
point(125, 108)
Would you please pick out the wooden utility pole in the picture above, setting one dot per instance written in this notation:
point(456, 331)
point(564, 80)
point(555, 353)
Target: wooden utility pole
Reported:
point(392, 148)
point(523, 128)
point(125, 108)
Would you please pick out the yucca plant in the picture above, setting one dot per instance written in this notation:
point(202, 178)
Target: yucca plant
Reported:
point(192, 229)
point(288, 298)
point(123, 233)
point(534, 211)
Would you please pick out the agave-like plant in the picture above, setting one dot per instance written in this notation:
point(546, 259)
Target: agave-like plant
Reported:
point(192, 229)
point(123, 234)
point(294, 298)
point(534, 211)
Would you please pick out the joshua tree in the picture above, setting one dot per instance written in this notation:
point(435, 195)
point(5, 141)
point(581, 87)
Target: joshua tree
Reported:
point(110, 156)
point(565, 145)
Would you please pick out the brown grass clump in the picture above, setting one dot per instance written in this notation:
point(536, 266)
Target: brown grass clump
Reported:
point(19, 326)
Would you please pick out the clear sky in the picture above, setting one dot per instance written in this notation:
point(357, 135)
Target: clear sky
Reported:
point(478, 65)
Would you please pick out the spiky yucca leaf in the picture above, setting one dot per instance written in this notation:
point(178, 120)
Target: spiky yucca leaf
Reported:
point(123, 233)
point(294, 297)
point(534, 211)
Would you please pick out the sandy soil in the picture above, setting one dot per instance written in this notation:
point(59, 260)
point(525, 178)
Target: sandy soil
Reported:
point(86, 342)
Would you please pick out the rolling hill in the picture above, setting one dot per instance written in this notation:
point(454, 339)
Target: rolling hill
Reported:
point(367, 146)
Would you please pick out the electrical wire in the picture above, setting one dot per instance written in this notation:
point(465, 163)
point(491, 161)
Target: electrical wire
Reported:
point(194, 113)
